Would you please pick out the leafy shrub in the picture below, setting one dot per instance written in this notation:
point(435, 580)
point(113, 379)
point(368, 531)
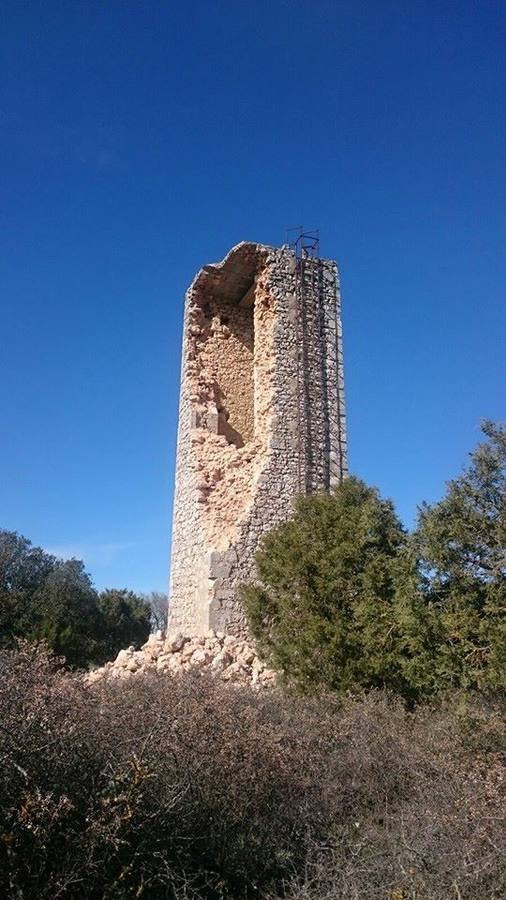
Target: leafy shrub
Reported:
point(190, 788)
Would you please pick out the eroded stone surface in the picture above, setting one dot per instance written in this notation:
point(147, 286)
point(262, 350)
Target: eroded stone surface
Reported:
point(261, 419)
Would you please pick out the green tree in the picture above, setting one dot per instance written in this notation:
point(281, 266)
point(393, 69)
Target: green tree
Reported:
point(337, 601)
point(44, 598)
point(462, 545)
point(64, 613)
point(23, 569)
point(125, 618)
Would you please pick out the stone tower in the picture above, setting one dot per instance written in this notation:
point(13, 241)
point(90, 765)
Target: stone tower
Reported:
point(261, 418)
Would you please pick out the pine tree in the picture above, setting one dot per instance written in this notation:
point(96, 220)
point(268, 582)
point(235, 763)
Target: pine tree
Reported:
point(462, 544)
point(336, 603)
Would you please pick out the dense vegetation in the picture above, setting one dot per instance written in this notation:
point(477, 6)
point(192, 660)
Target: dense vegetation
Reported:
point(348, 787)
point(42, 597)
point(189, 788)
point(346, 599)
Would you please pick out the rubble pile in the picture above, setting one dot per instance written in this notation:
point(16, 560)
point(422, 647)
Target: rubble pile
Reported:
point(228, 657)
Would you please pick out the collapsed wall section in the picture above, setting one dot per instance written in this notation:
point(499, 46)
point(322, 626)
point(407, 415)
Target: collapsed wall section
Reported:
point(261, 419)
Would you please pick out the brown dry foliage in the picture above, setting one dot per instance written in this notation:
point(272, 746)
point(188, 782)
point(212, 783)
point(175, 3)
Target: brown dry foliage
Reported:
point(190, 788)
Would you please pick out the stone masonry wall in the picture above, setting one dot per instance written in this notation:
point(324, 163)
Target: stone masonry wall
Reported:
point(261, 419)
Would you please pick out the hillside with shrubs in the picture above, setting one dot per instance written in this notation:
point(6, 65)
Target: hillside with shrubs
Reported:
point(372, 768)
point(188, 788)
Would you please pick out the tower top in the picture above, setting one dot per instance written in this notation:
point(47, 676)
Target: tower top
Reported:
point(305, 243)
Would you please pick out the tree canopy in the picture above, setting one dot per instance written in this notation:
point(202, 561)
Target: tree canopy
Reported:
point(44, 598)
point(334, 601)
point(346, 599)
point(461, 543)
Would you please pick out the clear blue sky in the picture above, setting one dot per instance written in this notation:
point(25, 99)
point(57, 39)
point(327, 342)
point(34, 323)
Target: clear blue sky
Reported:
point(140, 140)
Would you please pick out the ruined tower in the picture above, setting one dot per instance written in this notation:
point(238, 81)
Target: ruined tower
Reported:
point(261, 418)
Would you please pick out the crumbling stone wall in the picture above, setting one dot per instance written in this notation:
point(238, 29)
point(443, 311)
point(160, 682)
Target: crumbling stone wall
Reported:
point(261, 418)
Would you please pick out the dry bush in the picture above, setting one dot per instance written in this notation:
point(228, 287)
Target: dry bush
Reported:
point(428, 800)
point(191, 788)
